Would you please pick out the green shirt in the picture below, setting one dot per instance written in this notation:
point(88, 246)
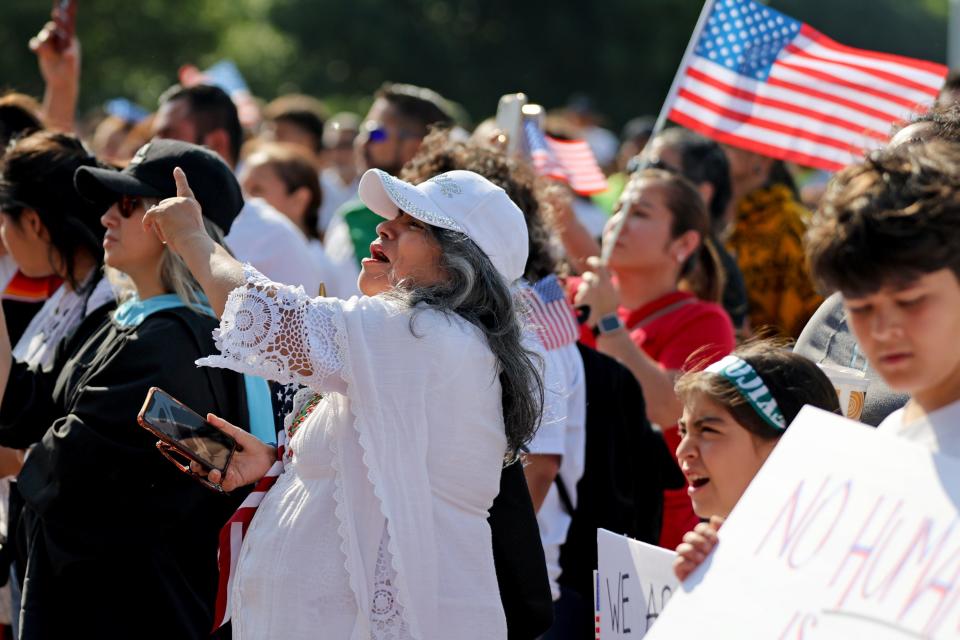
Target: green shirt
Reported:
point(362, 224)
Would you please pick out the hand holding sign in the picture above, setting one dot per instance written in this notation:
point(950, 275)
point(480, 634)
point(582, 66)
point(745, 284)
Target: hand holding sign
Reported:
point(695, 548)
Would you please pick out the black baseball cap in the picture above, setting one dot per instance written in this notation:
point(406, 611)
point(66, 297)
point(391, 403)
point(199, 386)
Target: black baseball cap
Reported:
point(150, 175)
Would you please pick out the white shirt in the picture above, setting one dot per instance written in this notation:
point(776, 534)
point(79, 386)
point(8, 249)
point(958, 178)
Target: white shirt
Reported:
point(58, 317)
point(409, 437)
point(335, 195)
point(269, 241)
point(562, 432)
point(939, 430)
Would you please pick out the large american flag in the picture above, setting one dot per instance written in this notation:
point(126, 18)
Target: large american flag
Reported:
point(760, 80)
point(571, 161)
point(551, 316)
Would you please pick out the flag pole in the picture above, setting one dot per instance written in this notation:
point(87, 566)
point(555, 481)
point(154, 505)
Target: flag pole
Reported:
point(661, 122)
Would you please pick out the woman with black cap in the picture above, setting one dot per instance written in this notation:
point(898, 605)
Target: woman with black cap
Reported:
point(120, 541)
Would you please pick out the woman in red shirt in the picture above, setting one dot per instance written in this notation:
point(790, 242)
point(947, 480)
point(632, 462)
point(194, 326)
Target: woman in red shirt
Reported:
point(653, 307)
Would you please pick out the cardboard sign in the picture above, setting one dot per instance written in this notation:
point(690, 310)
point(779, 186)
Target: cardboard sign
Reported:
point(635, 582)
point(844, 533)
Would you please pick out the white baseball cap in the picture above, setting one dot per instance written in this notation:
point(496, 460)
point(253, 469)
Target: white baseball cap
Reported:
point(461, 201)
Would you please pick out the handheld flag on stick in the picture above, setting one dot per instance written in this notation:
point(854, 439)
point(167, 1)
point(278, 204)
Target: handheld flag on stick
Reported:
point(570, 161)
point(761, 80)
point(661, 122)
point(756, 78)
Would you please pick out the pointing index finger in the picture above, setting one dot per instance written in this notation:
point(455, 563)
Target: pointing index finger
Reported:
point(183, 187)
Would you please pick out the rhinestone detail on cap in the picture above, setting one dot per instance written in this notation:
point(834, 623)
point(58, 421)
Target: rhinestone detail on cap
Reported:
point(448, 186)
point(422, 214)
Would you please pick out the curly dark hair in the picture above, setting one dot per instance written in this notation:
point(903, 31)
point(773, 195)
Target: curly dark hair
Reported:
point(944, 121)
point(439, 154)
point(888, 220)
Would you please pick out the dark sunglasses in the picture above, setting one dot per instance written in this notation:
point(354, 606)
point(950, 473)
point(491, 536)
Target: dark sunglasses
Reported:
point(376, 132)
point(126, 205)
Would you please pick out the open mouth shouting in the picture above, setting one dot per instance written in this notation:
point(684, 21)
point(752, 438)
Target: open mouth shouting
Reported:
point(377, 254)
point(696, 483)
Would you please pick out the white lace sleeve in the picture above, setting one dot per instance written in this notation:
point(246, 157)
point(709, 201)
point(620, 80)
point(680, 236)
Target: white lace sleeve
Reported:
point(279, 333)
point(386, 613)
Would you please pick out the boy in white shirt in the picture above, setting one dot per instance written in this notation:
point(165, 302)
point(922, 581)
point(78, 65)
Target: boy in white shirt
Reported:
point(887, 236)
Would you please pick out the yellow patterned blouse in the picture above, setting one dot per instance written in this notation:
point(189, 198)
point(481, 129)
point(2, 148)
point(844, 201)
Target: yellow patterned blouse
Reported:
point(767, 241)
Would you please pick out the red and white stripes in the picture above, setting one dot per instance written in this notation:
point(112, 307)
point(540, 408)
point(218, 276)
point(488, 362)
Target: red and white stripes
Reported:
point(232, 534)
point(822, 104)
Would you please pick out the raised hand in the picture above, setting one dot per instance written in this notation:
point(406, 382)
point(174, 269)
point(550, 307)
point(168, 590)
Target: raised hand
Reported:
point(597, 292)
point(177, 221)
point(58, 68)
point(61, 74)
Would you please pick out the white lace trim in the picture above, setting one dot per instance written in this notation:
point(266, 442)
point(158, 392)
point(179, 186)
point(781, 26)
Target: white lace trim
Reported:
point(410, 628)
point(386, 612)
point(277, 332)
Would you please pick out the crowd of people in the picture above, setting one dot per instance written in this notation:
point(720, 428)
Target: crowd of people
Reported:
point(443, 372)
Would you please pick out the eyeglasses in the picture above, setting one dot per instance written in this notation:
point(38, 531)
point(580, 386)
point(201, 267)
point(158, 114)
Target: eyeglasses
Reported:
point(376, 132)
point(126, 205)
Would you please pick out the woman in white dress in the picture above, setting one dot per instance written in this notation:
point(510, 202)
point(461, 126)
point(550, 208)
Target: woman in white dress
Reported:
point(376, 526)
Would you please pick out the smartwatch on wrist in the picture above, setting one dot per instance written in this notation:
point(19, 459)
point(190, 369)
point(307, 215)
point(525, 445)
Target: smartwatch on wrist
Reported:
point(608, 324)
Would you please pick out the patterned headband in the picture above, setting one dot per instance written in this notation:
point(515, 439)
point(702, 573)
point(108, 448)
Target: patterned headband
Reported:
point(752, 387)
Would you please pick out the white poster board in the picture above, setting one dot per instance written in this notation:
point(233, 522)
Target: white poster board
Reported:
point(844, 533)
point(635, 583)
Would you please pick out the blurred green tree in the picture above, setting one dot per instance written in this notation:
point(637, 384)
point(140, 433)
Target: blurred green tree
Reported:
point(623, 53)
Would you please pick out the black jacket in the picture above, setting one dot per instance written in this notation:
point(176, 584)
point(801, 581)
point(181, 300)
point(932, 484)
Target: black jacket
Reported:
point(121, 544)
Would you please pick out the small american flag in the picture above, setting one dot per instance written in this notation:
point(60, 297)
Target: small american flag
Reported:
point(551, 315)
point(761, 80)
point(570, 161)
point(232, 534)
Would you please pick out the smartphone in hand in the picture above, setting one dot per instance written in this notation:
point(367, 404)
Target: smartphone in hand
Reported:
point(183, 434)
point(510, 120)
point(64, 16)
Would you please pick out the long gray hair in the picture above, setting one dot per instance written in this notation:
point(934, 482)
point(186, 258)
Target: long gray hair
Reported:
point(475, 291)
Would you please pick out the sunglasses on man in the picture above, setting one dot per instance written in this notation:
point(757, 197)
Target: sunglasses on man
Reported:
point(377, 132)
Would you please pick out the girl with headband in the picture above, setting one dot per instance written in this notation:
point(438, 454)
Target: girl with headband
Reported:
point(734, 413)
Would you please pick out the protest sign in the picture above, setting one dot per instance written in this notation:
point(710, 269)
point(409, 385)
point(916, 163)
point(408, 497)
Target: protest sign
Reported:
point(635, 582)
point(844, 533)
